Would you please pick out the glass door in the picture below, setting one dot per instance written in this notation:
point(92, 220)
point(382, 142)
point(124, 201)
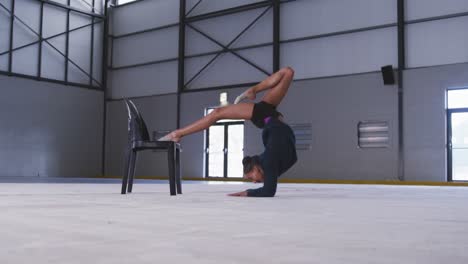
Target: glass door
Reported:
point(457, 144)
point(224, 149)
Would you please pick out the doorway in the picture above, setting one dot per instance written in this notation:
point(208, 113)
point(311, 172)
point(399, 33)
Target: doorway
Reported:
point(457, 135)
point(224, 149)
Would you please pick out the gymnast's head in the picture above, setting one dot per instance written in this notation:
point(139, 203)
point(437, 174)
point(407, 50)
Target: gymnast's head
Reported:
point(252, 169)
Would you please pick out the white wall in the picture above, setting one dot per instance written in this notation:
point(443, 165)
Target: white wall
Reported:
point(152, 79)
point(342, 54)
point(425, 125)
point(208, 6)
point(4, 34)
point(418, 9)
point(49, 130)
point(309, 18)
point(332, 104)
point(26, 60)
point(144, 15)
point(437, 42)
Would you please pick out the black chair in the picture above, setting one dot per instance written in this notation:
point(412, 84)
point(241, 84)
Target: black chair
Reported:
point(138, 139)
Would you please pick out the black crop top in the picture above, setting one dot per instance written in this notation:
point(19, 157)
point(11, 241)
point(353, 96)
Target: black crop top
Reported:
point(262, 110)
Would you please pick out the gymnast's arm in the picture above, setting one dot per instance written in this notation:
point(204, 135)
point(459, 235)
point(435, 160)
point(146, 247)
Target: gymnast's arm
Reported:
point(270, 182)
point(269, 185)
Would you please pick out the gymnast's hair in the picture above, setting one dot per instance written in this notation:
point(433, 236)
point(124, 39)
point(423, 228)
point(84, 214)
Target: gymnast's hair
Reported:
point(249, 162)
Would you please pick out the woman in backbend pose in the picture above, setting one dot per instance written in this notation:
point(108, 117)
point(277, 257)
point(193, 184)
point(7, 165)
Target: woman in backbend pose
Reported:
point(278, 137)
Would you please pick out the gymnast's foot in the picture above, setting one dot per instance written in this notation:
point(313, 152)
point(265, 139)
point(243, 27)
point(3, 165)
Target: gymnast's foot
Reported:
point(171, 137)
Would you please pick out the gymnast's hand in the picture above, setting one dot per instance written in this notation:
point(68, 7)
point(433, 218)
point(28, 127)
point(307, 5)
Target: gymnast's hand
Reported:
point(239, 194)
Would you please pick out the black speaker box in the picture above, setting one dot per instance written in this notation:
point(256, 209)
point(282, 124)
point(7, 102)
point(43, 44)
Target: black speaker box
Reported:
point(387, 74)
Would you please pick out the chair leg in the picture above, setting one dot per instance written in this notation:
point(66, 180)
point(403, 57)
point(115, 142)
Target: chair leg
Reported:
point(127, 170)
point(178, 171)
point(132, 170)
point(171, 161)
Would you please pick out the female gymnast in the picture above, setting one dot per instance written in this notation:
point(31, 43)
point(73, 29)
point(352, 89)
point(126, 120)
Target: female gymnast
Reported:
point(278, 138)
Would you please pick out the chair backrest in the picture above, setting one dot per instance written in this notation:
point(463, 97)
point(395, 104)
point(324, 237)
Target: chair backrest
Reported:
point(137, 130)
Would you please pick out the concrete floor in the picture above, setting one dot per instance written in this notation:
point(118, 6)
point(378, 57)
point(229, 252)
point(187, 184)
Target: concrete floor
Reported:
point(92, 223)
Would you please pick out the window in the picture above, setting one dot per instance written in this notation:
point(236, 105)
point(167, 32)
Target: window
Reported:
point(121, 2)
point(457, 98)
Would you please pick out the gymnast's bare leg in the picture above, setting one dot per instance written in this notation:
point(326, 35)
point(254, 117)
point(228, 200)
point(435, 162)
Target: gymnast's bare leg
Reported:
point(277, 85)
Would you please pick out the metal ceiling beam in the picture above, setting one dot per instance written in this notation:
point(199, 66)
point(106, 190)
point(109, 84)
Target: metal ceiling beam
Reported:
point(69, 8)
point(229, 11)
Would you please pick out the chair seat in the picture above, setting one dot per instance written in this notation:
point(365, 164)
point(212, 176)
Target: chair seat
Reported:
point(140, 145)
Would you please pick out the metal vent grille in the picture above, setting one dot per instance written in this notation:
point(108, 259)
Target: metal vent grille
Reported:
point(373, 134)
point(303, 133)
